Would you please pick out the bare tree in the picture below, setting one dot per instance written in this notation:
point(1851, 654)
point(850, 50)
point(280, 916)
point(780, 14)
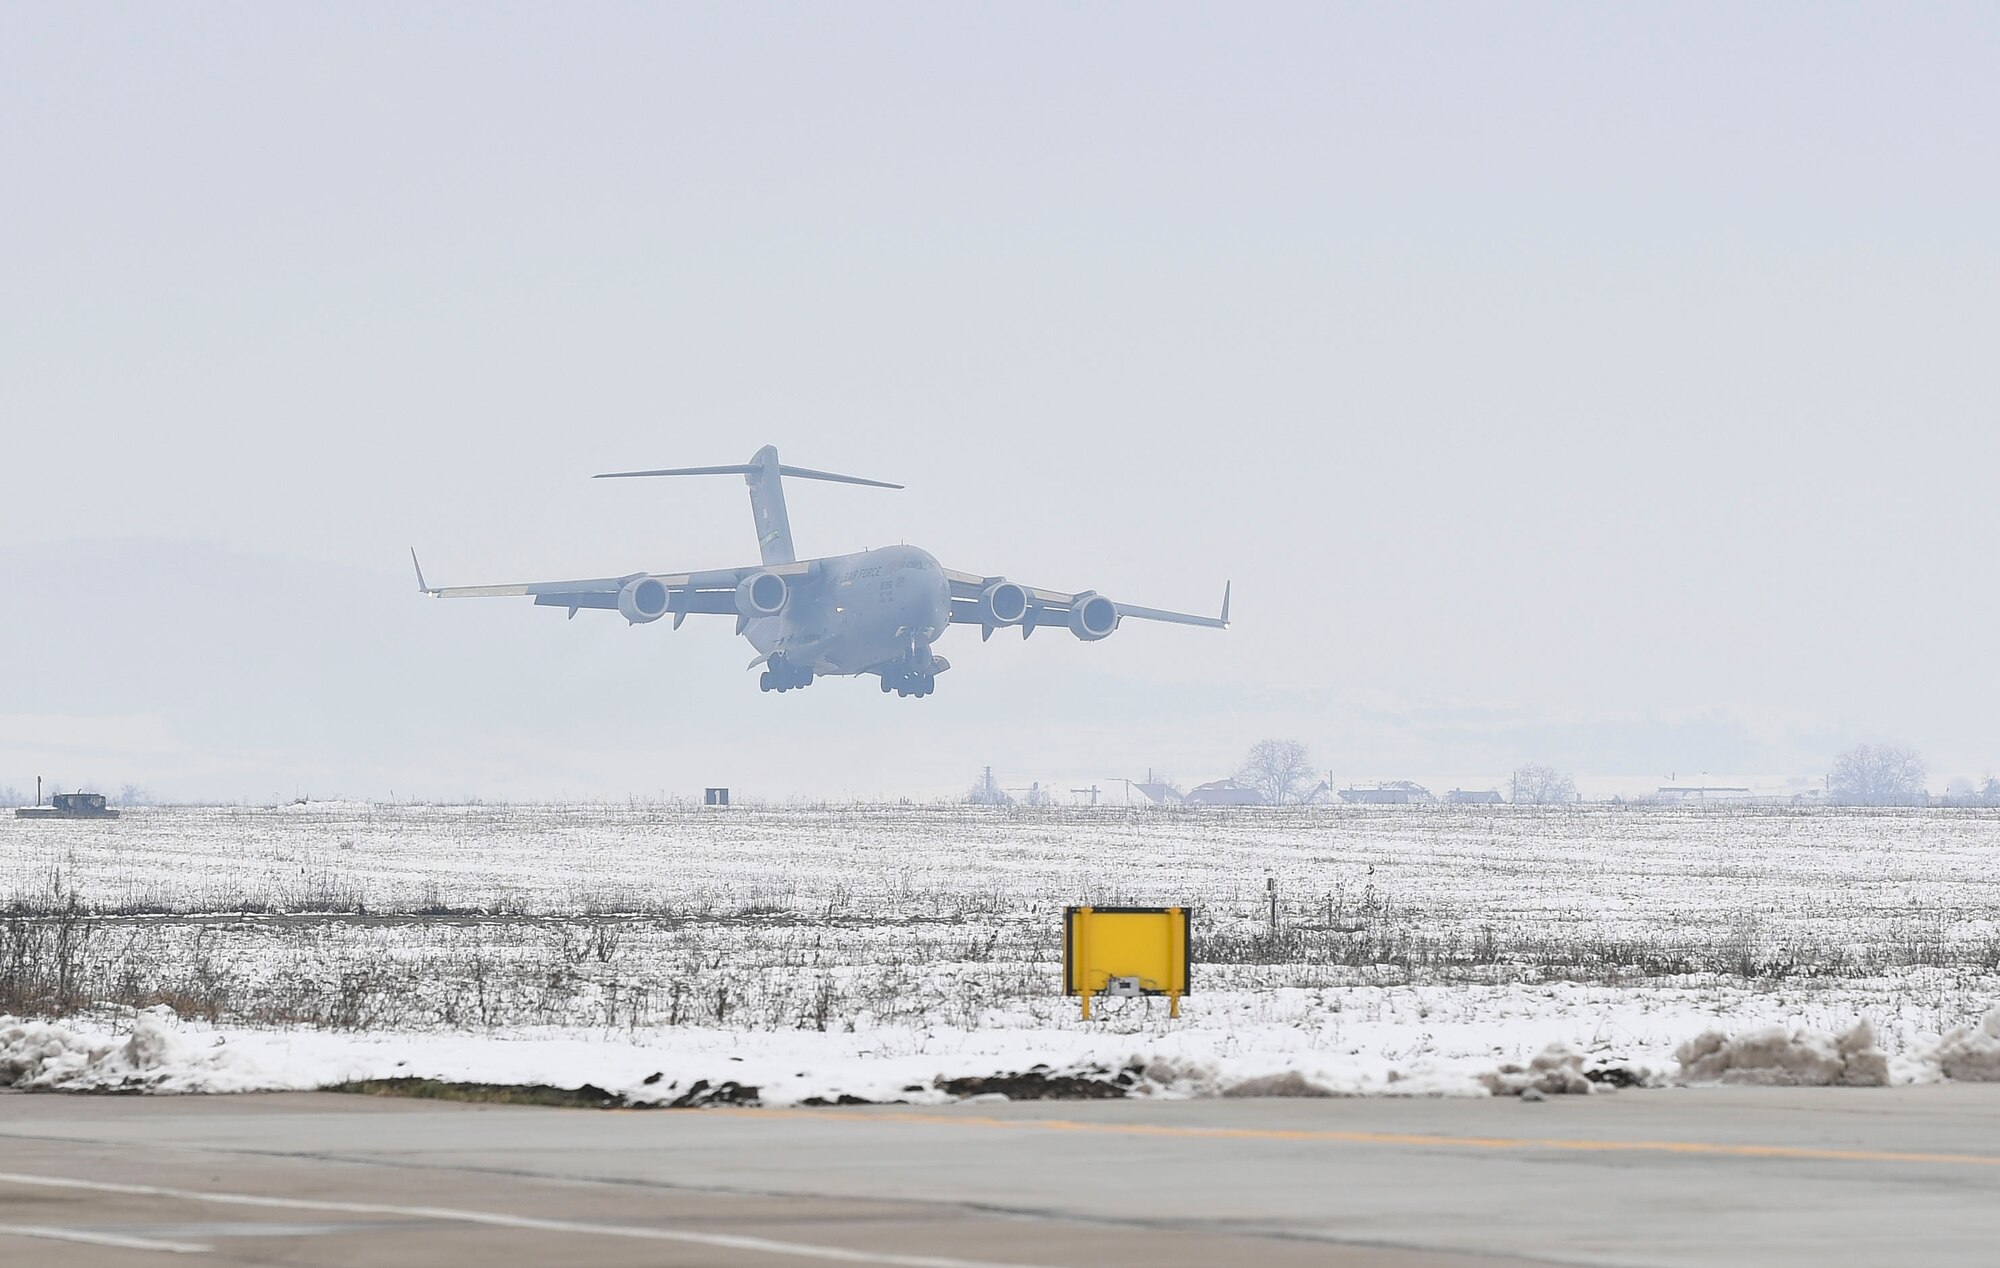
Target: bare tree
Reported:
point(1962, 790)
point(1280, 770)
point(1538, 785)
point(1877, 775)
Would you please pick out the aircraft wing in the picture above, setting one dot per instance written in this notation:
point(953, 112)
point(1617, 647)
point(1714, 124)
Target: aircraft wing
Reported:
point(1054, 607)
point(712, 591)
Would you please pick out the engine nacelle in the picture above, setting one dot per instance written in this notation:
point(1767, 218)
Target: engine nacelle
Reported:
point(1092, 616)
point(643, 599)
point(762, 594)
point(1003, 603)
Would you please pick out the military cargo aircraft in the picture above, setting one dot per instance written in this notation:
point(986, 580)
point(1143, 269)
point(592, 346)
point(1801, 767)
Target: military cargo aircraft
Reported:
point(873, 612)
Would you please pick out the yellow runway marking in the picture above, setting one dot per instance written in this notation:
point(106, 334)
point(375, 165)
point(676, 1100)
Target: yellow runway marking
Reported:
point(1489, 1143)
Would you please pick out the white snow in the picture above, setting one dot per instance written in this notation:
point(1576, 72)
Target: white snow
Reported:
point(1855, 879)
point(821, 952)
point(156, 1052)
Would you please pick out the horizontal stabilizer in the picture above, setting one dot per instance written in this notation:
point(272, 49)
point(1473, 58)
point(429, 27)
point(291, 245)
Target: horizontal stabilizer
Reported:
point(766, 477)
point(803, 473)
point(807, 473)
point(739, 468)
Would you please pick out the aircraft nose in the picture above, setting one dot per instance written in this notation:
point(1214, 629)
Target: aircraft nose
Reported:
point(940, 599)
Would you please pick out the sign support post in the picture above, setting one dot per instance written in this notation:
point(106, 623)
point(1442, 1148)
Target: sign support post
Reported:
point(1082, 927)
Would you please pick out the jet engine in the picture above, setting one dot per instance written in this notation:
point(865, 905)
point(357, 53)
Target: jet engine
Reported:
point(762, 594)
point(1003, 603)
point(643, 600)
point(1092, 616)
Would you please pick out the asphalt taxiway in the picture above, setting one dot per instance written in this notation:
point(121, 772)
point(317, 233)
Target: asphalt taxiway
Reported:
point(1669, 1177)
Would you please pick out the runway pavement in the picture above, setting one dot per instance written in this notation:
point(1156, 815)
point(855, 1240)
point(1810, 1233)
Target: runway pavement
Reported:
point(1675, 1177)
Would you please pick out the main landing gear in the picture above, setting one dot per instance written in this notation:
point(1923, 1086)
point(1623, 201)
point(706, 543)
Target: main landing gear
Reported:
point(784, 676)
point(909, 683)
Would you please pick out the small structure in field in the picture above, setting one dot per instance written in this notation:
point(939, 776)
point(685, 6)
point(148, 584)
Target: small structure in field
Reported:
point(715, 796)
point(1126, 952)
point(76, 805)
point(1474, 797)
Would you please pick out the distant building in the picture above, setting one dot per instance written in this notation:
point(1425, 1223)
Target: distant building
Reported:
point(1224, 792)
point(1160, 794)
point(1395, 792)
point(1474, 797)
point(1701, 792)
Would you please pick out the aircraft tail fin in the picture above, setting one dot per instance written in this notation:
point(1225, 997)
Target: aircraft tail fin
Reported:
point(765, 476)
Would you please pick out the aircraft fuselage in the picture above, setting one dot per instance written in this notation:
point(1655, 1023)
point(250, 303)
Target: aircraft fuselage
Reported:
point(876, 611)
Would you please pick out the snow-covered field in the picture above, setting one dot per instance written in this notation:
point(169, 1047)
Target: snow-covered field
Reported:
point(870, 951)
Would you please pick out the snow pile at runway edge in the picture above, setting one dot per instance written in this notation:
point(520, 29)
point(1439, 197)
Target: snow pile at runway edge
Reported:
point(1971, 1054)
point(1557, 1070)
point(1783, 1055)
point(37, 1056)
point(158, 1053)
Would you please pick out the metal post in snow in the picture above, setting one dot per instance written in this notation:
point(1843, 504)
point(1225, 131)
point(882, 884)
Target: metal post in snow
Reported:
point(1079, 946)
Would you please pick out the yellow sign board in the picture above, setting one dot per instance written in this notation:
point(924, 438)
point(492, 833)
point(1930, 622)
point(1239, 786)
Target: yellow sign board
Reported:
point(1126, 950)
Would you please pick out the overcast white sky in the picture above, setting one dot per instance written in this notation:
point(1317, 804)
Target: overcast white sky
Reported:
point(1612, 386)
